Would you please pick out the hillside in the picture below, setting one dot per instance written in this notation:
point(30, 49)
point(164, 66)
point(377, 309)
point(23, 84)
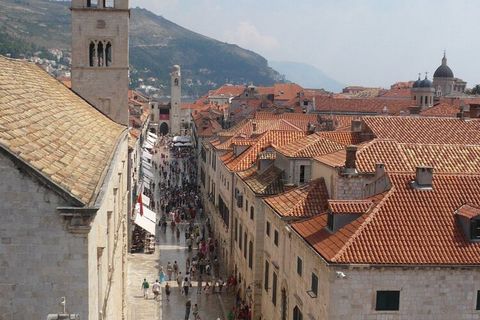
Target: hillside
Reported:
point(307, 75)
point(155, 45)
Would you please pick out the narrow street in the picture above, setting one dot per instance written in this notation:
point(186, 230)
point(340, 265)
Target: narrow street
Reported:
point(169, 248)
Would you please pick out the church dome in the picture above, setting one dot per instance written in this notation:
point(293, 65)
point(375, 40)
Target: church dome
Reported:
point(425, 83)
point(417, 83)
point(443, 71)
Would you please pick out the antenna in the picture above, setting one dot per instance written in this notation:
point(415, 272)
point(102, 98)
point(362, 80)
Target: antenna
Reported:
point(63, 302)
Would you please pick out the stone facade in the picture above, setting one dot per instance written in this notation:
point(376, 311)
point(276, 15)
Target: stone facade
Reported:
point(100, 56)
point(50, 250)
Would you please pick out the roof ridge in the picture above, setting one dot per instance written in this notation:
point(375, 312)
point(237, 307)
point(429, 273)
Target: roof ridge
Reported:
point(367, 221)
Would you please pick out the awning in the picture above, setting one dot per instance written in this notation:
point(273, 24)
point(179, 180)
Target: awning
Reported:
point(182, 139)
point(151, 140)
point(179, 144)
point(153, 135)
point(146, 182)
point(147, 155)
point(148, 174)
point(146, 200)
point(148, 145)
point(145, 223)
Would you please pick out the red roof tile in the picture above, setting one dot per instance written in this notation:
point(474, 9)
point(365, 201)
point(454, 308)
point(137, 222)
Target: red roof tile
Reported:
point(310, 146)
point(469, 211)
point(349, 206)
point(407, 227)
point(304, 201)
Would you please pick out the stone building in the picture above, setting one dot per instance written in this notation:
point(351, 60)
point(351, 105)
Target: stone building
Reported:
point(100, 55)
point(63, 200)
point(445, 83)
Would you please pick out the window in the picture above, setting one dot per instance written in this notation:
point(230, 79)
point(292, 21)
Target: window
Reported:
point(297, 314)
point(267, 228)
point(92, 56)
point(478, 300)
point(108, 54)
point(314, 286)
point(251, 213)
point(92, 3)
point(302, 174)
point(275, 238)
point(250, 254)
point(236, 230)
point(475, 232)
point(240, 238)
point(109, 3)
point(330, 221)
point(388, 300)
point(274, 289)
point(299, 266)
point(265, 279)
point(246, 205)
point(176, 81)
point(100, 53)
point(245, 245)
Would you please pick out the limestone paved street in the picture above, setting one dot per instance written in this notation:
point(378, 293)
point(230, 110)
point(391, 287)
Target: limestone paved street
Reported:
point(169, 248)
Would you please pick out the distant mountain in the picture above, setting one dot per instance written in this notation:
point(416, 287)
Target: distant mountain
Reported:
point(306, 75)
point(155, 45)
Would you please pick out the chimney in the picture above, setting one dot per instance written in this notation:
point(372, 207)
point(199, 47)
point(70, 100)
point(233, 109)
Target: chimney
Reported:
point(254, 127)
point(351, 158)
point(423, 177)
point(356, 125)
point(379, 170)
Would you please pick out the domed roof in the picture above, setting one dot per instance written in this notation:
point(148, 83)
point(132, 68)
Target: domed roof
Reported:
point(417, 83)
point(443, 71)
point(425, 83)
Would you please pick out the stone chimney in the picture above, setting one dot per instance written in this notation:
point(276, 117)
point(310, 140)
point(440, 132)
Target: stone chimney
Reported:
point(423, 178)
point(357, 125)
point(351, 158)
point(379, 170)
point(254, 127)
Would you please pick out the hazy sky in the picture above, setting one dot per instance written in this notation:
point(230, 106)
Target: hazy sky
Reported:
point(357, 42)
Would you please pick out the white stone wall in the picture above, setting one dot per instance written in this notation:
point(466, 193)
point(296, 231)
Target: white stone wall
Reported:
point(425, 293)
point(40, 261)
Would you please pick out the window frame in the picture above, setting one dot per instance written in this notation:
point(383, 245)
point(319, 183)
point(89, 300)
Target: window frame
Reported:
point(252, 212)
point(267, 228)
point(274, 288)
point(276, 237)
point(299, 266)
point(314, 284)
point(250, 254)
point(266, 276)
point(478, 301)
point(387, 305)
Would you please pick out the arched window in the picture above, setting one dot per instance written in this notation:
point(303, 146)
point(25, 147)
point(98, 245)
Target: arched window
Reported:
point(91, 54)
point(100, 53)
point(176, 81)
point(297, 314)
point(108, 54)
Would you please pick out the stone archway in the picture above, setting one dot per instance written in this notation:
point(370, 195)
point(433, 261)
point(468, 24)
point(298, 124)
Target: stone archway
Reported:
point(164, 128)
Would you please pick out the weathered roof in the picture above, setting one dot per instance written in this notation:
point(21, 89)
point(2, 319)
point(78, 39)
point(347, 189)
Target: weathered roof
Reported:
point(305, 201)
point(55, 131)
point(407, 227)
point(267, 182)
point(310, 146)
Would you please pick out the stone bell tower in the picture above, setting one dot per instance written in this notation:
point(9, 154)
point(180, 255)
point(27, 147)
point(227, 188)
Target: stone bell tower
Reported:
point(175, 100)
point(100, 55)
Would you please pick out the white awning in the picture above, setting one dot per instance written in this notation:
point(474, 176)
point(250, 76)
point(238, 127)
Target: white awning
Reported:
point(179, 144)
point(151, 140)
point(145, 223)
point(146, 165)
point(149, 214)
point(146, 182)
point(148, 174)
point(147, 155)
point(148, 145)
point(183, 139)
point(145, 200)
point(153, 135)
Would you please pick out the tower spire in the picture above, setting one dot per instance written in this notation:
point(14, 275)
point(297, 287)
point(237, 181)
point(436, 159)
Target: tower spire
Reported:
point(444, 59)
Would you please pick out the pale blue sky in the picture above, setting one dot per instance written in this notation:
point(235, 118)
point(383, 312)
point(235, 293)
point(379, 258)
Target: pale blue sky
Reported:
point(357, 42)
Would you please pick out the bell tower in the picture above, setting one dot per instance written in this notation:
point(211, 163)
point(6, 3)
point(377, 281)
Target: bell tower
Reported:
point(100, 55)
point(175, 100)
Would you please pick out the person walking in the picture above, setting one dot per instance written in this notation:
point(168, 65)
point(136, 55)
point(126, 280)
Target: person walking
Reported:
point(195, 311)
point(188, 306)
point(199, 284)
point(145, 286)
point(167, 291)
point(175, 269)
point(156, 289)
point(162, 275)
point(186, 285)
point(179, 282)
point(169, 271)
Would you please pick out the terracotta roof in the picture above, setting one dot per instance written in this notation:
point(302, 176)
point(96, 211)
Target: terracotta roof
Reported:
point(55, 131)
point(286, 91)
point(342, 137)
point(267, 182)
point(349, 206)
point(468, 211)
point(398, 157)
point(276, 138)
point(305, 201)
point(425, 130)
point(310, 146)
point(442, 109)
point(408, 227)
point(227, 90)
point(362, 106)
